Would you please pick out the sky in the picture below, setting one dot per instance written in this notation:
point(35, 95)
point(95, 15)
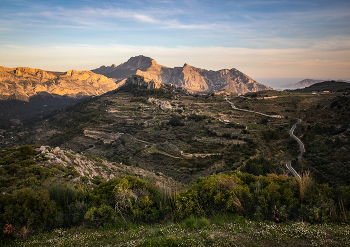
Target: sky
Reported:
point(274, 42)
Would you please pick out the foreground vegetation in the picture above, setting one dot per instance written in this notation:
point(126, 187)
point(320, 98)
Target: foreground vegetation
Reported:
point(217, 231)
point(39, 197)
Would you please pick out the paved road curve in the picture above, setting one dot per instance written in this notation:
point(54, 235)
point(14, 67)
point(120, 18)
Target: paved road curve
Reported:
point(302, 150)
point(239, 109)
point(301, 145)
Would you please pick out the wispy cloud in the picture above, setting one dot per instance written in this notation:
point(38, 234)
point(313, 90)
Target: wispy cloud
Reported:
point(256, 36)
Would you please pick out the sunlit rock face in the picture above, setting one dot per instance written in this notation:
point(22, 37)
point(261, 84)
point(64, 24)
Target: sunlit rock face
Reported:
point(22, 83)
point(188, 77)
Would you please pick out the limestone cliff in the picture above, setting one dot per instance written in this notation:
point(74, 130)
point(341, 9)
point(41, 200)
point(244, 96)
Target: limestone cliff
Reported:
point(189, 77)
point(143, 82)
point(22, 83)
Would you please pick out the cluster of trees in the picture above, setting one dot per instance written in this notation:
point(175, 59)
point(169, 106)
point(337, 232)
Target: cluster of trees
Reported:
point(34, 198)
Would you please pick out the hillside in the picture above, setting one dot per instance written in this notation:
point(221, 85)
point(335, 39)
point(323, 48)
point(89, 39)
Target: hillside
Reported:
point(188, 77)
point(185, 136)
point(329, 86)
point(166, 130)
point(58, 196)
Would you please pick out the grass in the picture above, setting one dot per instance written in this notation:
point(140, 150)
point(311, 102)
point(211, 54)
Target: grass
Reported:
point(218, 231)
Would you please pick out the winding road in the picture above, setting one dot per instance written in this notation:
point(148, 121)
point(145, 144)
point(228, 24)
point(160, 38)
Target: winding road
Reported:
point(239, 109)
point(301, 145)
point(302, 150)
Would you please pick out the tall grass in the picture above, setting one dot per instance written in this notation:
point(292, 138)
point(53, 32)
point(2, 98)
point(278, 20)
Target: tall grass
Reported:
point(193, 223)
point(304, 183)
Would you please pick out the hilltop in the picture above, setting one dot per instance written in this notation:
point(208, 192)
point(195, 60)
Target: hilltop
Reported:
point(329, 86)
point(302, 84)
point(189, 77)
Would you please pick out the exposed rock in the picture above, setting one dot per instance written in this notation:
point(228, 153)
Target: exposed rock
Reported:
point(164, 105)
point(21, 83)
point(90, 167)
point(142, 82)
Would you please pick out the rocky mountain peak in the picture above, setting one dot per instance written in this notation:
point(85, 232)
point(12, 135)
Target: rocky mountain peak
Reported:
point(138, 63)
point(189, 77)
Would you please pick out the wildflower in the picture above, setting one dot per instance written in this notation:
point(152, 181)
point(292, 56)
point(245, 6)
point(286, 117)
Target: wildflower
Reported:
point(8, 228)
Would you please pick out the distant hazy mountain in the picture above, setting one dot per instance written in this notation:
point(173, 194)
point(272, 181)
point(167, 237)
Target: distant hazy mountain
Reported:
point(21, 83)
point(189, 77)
point(302, 84)
point(330, 86)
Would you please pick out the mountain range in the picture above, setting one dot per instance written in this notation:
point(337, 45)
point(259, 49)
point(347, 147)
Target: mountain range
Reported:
point(188, 77)
point(22, 83)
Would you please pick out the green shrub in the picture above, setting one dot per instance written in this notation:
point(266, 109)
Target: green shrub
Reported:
point(189, 223)
point(27, 209)
point(28, 182)
point(258, 166)
point(175, 121)
point(62, 194)
point(100, 216)
point(187, 204)
point(76, 213)
point(26, 150)
point(193, 223)
point(98, 180)
point(196, 117)
point(134, 199)
point(203, 223)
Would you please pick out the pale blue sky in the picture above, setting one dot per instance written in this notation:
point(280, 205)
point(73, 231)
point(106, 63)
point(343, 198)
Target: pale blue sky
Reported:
point(264, 39)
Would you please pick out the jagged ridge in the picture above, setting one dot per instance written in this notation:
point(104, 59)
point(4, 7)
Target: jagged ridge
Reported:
point(189, 77)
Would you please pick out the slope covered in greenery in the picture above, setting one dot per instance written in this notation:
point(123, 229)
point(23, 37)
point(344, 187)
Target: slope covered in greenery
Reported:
point(38, 196)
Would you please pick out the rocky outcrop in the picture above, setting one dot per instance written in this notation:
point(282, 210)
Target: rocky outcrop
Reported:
point(188, 77)
point(22, 83)
point(164, 105)
point(142, 81)
point(89, 167)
